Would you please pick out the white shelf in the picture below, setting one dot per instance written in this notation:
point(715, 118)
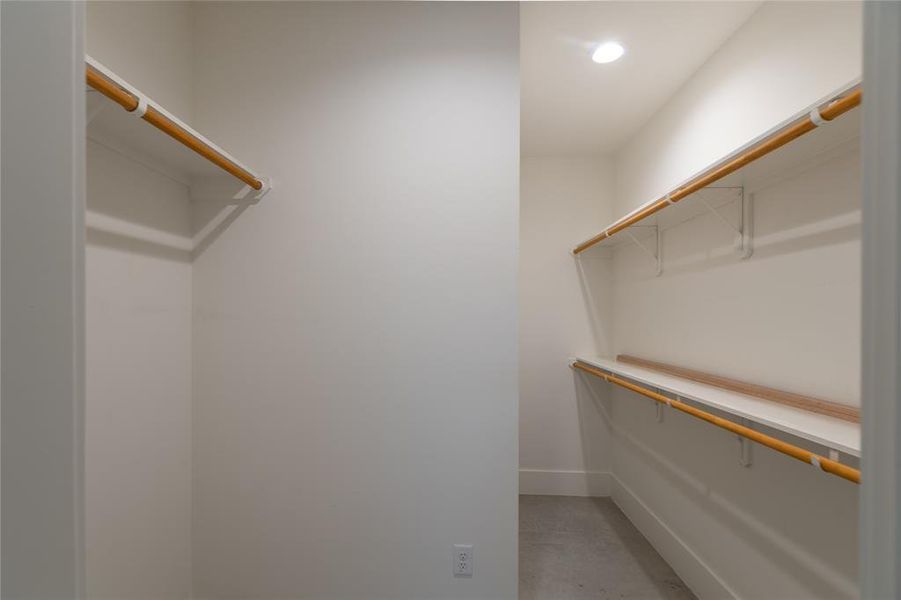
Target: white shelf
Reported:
point(111, 126)
point(841, 134)
point(129, 135)
point(828, 431)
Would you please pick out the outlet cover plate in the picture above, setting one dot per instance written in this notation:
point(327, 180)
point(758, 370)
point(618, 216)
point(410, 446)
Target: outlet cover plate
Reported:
point(462, 560)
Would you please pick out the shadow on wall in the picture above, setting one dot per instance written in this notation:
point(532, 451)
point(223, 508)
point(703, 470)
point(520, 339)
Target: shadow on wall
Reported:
point(214, 210)
point(815, 204)
point(595, 433)
point(595, 279)
point(687, 475)
point(124, 242)
point(133, 208)
point(759, 319)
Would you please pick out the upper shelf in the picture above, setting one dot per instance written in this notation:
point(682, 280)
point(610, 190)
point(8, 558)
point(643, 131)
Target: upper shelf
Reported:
point(807, 134)
point(193, 155)
point(831, 432)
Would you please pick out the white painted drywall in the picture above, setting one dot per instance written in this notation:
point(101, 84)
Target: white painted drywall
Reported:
point(682, 472)
point(787, 317)
point(779, 529)
point(355, 333)
point(787, 56)
point(880, 514)
point(139, 372)
point(563, 445)
point(43, 298)
point(150, 45)
point(138, 418)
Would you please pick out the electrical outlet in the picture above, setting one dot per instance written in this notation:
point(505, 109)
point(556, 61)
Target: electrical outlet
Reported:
point(462, 560)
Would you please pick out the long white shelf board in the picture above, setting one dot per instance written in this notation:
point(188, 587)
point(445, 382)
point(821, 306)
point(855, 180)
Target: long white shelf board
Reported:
point(126, 133)
point(828, 431)
point(840, 135)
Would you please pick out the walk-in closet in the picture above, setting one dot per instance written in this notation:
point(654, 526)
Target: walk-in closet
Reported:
point(694, 258)
point(450, 300)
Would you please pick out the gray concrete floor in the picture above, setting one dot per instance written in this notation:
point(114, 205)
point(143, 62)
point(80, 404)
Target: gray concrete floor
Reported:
point(575, 548)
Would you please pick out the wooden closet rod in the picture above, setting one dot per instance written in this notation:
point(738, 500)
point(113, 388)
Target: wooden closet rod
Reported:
point(827, 465)
point(762, 148)
point(130, 102)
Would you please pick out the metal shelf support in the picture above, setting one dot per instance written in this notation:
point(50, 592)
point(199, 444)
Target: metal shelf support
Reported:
point(743, 231)
point(745, 445)
point(655, 254)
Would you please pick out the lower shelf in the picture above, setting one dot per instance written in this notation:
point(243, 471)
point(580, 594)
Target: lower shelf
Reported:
point(833, 433)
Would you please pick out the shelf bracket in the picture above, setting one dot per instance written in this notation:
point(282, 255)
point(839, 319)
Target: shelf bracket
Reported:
point(743, 241)
point(661, 407)
point(744, 447)
point(244, 191)
point(655, 255)
point(747, 225)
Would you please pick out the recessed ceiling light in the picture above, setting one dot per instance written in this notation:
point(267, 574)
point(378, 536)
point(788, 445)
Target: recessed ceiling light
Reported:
point(607, 52)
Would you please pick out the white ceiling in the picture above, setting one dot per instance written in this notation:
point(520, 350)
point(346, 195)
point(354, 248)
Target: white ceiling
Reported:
point(573, 106)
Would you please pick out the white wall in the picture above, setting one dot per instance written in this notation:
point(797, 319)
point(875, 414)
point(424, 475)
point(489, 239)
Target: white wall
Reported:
point(563, 446)
point(138, 429)
point(43, 298)
point(355, 332)
point(880, 514)
point(150, 45)
point(787, 56)
point(779, 529)
point(139, 395)
point(787, 317)
point(783, 318)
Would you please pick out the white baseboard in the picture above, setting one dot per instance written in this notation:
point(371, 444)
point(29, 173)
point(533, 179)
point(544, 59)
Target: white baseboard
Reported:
point(696, 574)
point(543, 482)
